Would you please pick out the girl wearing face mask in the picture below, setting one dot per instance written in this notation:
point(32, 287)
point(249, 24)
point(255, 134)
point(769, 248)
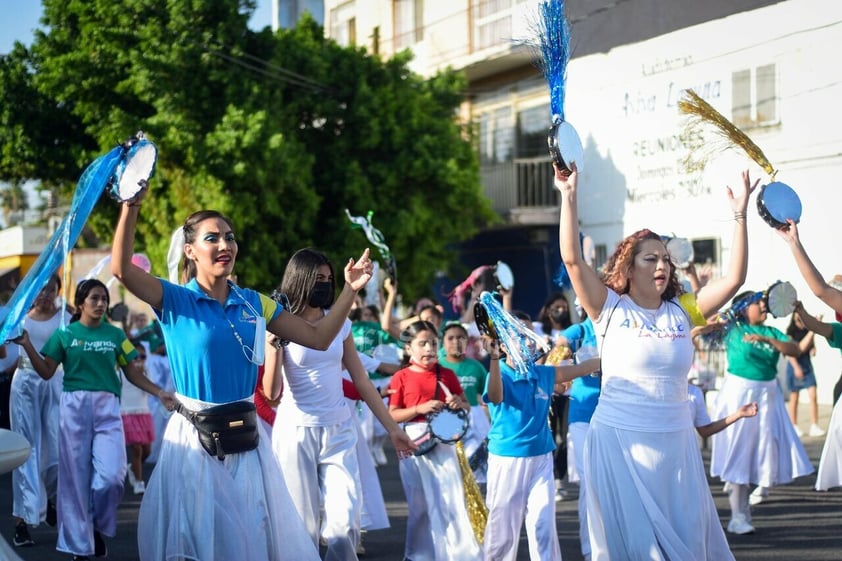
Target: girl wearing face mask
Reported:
point(553, 318)
point(313, 437)
point(438, 527)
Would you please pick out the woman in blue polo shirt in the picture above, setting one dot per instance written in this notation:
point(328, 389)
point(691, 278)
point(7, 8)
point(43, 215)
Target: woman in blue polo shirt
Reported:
point(195, 506)
point(520, 456)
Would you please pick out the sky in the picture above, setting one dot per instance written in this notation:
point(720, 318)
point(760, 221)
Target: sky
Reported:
point(20, 18)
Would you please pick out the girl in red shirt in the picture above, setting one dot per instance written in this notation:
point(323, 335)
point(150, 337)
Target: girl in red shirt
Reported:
point(438, 526)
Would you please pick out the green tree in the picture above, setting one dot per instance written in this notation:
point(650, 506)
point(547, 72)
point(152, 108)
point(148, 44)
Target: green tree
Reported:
point(282, 132)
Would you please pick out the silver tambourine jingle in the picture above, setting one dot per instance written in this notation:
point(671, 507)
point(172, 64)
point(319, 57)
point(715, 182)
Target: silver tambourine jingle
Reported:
point(565, 146)
point(134, 170)
point(780, 299)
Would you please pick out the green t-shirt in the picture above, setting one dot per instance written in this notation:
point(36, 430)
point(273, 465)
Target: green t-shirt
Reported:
point(835, 339)
point(90, 356)
point(471, 374)
point(757, 360)
point(368, 334)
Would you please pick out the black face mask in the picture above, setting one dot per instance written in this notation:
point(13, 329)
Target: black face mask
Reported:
point(560, 317)
point(322, 295)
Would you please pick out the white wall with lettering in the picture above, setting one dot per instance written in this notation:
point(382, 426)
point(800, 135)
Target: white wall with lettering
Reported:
point(624, 105)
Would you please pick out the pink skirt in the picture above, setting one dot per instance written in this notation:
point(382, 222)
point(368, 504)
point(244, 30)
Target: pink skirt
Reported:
point(139, 428)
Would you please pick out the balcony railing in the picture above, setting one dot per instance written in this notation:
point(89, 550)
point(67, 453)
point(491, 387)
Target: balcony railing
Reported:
point(522, 183)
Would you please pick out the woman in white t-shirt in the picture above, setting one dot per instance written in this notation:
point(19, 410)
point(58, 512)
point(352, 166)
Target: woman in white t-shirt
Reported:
point(647, 493)
point(314, 437)
point(34, 413)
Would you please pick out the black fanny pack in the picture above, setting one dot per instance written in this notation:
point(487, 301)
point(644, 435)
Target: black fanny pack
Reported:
point(229, 428)
point(425, 442)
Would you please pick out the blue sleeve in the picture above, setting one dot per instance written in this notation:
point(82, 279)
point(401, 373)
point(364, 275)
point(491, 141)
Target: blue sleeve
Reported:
point(574, 335)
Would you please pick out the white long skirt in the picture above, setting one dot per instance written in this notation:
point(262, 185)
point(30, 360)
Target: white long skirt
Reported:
point(437, 527)
point(34, 413)
point(763, 449)
point(199, 508)
point(648, 498)
point(374, 515)
point(830, 465)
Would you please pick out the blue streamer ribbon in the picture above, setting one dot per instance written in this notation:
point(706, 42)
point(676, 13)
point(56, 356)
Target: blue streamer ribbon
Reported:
point(554, 44)
point(523, 346)
point(88, 191)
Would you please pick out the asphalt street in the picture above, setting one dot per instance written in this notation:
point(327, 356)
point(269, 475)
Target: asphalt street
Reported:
point(794, 523)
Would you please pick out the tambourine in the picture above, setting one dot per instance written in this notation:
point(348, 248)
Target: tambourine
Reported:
point(503, 276)
point(483, 321)
point(565, 146)
point(134, 170)
point(780, 299)
point(448, 425)
point(495, 277)
point(776, 203)
point(681, 251)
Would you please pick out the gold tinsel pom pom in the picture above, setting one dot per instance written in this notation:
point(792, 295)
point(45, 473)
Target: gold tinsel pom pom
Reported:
point(475, 503)
point(558, 355)
point(700, 113)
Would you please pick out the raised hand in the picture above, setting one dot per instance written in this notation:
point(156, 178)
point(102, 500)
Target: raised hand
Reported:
point(739, 199)
point(789, 233)
point(566, 180)
point(358, 273)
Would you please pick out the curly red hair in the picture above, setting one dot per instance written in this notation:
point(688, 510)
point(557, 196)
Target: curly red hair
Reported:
point(617, 270)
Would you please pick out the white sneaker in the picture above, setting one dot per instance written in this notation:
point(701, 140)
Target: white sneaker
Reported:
point(130, 475)
point(559, 496)
point(739, 525)
point(139, 488)
point(758, 495)
point(798, 431)
point(379, 456)
point(816, 430)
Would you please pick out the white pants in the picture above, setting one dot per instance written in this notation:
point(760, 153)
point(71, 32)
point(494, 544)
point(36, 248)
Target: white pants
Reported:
point(521, 489)
point(92, 467)
point(34, 413)
point(437, 525)
point(373, 514)
point(321, 468)
point(576, 434)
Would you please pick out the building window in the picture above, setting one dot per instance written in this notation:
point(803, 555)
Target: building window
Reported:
point(754, 97)
point(409, 23)
point(706, 251)
point(532, 127)
point(343, 24)
point(496, 136)
point(493, 22)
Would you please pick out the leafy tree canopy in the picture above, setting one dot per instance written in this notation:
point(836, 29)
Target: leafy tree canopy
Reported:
point(281, 132)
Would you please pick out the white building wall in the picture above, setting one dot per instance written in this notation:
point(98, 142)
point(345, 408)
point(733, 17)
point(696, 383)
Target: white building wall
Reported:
point(623, 102)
